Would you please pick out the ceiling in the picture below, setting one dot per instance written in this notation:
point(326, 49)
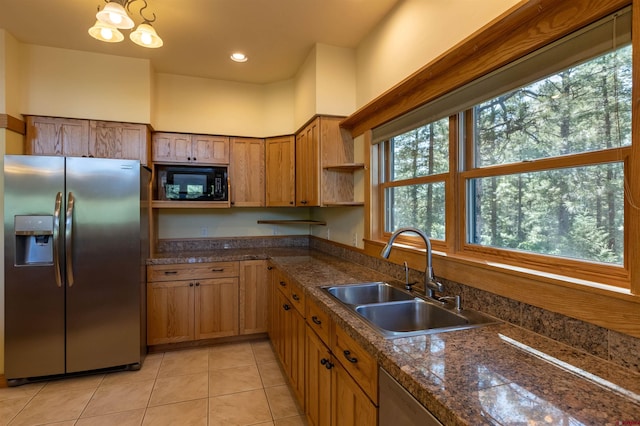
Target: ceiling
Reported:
point(200, 35)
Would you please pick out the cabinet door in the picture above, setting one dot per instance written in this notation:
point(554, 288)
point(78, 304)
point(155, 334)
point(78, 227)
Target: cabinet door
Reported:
point(171, 148)
point(296, 373)
point(207, 149)
point(247, 172)
point(216, 308)
point(169, 312)
point(350, 405)
point(318, 368)
point(282, 327)
point(57, 136)
point(253, 296)
point(119, 140)
point(280, 171)
point(308, 166)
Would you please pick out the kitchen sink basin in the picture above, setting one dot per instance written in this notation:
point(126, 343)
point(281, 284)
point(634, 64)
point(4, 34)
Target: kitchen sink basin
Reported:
point(414, 317)
point(366, 293)
point(394, 312)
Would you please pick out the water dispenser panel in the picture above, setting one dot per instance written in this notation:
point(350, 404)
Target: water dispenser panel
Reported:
point(34, 239)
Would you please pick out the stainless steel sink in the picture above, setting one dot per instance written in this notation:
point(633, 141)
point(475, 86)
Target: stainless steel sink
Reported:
point(394, 312)
point(366, 293)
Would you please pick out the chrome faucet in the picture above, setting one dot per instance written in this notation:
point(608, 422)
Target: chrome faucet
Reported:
point(430, 283)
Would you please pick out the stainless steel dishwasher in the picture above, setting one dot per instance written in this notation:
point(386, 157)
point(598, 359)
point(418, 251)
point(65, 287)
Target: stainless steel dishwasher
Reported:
point(398, 407)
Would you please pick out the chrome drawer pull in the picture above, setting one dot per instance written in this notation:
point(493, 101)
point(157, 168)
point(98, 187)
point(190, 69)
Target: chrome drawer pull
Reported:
point(170, 272)
point(316, 320)
point(217, 270)
point(296, 298)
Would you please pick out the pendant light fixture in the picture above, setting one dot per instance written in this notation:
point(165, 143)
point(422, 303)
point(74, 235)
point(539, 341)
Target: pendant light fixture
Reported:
point(114, 16)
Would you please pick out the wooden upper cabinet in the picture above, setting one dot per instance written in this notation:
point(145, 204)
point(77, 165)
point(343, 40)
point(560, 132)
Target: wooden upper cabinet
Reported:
point(185, 148)
point(280, 171)
point(171, 147)
point(308, 165)
point(57, 136)
point(207, 149)
point(109, 139)
point(87, 138)
point(247, 172)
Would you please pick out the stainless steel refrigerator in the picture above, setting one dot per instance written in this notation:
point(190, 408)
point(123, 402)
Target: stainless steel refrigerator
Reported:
point(76, 242)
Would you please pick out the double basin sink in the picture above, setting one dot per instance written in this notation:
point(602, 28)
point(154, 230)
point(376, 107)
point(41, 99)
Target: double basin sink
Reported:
point(394, 312)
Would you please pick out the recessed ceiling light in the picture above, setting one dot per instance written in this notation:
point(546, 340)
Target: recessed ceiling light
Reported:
point(239, 57)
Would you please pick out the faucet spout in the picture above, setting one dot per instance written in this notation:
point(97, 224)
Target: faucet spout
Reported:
point(430, 283)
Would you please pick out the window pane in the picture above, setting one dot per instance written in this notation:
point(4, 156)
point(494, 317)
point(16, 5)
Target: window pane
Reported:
point(581, 109)
point(421, 152)
point(420, 206)
point(572, 212)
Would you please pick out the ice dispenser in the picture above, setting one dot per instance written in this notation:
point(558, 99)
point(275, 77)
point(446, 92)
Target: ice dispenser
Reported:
point(34, 240)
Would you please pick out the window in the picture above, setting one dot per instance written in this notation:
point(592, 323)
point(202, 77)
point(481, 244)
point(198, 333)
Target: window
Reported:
point(572, 203)
point(529, 166)
point(416, 174)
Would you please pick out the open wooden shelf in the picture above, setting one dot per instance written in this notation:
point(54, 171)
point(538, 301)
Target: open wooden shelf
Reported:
point(157, 204)
point(348, 167)
point(293, 222)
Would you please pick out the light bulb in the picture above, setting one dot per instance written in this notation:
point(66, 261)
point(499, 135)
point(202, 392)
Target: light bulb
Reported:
point(106, 33)
point(115, 18)
point(146, 38)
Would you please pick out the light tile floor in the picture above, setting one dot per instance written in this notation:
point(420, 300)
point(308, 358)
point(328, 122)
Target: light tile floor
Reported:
point(230, 384)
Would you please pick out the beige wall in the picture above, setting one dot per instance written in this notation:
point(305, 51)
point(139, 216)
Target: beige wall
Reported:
point(68, 83)
point(412, 35)
point(234, 222)
point(199, 105)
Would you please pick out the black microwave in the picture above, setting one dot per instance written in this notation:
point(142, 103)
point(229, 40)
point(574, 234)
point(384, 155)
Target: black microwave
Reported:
point(193, 183)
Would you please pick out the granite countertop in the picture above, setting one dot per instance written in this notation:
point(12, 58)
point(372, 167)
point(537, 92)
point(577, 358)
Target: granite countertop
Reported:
point(498, 374)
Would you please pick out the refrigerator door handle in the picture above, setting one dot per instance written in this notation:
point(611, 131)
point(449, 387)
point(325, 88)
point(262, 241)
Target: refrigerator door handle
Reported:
point(69, 238)
point(56, 239)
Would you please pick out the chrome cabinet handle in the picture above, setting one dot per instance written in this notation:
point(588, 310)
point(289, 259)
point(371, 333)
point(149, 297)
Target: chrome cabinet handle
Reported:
point(68, 236)
point(283, 284)
point(56, 239)
point(347, 355)
point(286, 307)
point(316, 320)
point(217, 270)
point(295, 297)
point(170, 272)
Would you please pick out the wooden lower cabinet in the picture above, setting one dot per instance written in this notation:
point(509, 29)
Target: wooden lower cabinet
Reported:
point(216, 308)
point(350, 406)
point(318, 381)
point(287, 332)
point(170, 312)
point(333, 397)
point(188, 302)
point(254, 286)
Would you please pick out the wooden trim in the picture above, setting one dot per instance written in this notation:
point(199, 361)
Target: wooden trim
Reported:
point(526, 27)
point(632, 198)
point(614, 309)
point(11, 123)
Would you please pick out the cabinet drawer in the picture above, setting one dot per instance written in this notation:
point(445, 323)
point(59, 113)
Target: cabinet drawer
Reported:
point(282, 283)
point(297, 297)
point(360, 365)
point(319, 321)
point(192, 271)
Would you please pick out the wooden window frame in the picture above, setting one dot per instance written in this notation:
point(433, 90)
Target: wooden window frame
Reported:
point(518, 32)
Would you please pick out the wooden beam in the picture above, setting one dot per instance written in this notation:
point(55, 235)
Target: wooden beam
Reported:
point(11, 123)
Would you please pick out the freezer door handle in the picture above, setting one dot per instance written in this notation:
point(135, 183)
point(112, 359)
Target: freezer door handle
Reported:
point(56, 239)
point(68, 235)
